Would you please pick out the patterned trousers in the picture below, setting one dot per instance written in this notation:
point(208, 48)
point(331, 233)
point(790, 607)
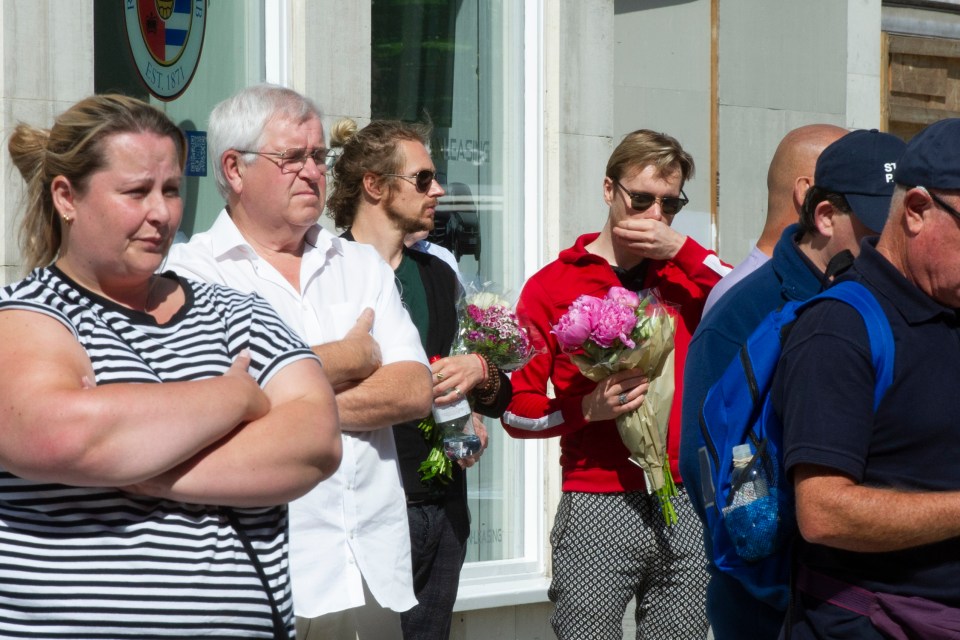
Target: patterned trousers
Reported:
point(611, 548)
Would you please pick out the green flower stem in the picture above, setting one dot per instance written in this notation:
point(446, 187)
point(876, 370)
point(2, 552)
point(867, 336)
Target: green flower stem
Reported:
point(437, 465)
point(664, 493)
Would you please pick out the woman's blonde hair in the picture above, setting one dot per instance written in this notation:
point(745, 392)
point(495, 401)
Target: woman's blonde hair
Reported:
point(74, 148)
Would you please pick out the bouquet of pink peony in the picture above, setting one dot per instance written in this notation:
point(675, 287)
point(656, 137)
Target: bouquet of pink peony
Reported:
point(626, 330)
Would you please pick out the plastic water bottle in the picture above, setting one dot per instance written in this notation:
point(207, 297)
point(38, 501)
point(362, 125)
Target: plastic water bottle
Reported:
point(455, 421)
point(752, 519)
point(747, 482)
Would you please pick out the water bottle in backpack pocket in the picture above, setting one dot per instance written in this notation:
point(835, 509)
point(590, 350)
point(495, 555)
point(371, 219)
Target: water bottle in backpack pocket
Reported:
point(748, 500)
point(752, 514)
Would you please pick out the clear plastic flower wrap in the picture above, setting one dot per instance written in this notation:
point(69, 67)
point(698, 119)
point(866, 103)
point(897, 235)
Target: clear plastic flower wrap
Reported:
point(489, 326)
point(628, 330)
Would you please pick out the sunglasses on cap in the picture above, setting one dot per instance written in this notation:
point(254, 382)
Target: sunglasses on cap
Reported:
point(421, 179)
point(641, 201)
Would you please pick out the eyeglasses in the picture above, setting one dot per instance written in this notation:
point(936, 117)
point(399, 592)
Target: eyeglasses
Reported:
point(641, 201)
point(422, 180)
point(943, 205)
point(294, 160)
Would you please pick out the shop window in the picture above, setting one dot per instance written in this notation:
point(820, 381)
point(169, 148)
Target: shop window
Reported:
point(458, 65)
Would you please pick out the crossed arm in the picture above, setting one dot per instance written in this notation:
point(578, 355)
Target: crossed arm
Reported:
point(394, 393)
point(221, 440)
point(371, 395)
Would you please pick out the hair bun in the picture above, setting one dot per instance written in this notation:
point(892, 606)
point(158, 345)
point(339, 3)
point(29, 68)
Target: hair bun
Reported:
point(28, 147)
point(342, 131)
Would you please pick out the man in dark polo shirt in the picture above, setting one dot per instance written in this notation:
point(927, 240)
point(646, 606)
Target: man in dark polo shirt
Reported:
point(878, 492)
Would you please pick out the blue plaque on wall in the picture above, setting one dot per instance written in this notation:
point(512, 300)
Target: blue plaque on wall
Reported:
point(196, 153)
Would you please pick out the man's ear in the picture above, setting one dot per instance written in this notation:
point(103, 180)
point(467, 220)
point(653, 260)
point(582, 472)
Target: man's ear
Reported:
point(800, 188)
point(373, 187)
point(916, 201)
point(232, 169)
point(823, 218)
point(64, 197)
point(609, 190)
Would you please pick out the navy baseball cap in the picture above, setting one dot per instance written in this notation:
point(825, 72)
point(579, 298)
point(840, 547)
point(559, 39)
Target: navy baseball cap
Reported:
point(932, 157)
point(860, 166)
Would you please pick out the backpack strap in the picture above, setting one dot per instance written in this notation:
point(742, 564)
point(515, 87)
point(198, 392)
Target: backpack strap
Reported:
point(882, 347)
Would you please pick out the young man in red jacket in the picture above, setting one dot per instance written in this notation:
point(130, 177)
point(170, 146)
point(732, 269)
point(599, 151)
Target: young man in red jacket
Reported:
point(610, 542)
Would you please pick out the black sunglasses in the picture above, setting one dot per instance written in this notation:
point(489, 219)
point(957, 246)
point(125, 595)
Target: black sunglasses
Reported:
point(943, 205)
point(641, 201)
point(422, 180)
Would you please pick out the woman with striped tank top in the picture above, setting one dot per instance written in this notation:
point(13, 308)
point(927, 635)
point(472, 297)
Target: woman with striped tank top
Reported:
point(151, 428)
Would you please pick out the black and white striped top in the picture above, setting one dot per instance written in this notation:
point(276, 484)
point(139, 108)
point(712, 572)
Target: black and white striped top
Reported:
point(98, 563)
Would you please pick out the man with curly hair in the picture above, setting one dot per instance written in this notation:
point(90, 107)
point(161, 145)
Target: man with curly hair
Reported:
point(385, 189)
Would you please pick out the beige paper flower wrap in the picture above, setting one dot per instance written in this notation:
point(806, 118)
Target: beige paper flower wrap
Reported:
point(623, 331)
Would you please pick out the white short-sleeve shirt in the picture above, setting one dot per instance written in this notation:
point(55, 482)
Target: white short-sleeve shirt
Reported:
point(354, 522)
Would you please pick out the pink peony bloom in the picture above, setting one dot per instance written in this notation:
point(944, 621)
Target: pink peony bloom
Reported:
point(624, 297)
point(575, 325)
point(615, 322)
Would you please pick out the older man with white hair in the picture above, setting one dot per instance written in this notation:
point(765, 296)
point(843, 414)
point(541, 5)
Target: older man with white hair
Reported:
point(350, 551)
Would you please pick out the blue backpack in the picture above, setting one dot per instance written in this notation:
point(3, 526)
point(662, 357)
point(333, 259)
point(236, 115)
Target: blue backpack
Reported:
point(751, 540)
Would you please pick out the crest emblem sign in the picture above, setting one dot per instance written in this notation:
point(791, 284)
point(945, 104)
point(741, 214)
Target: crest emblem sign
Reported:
point(166, 38)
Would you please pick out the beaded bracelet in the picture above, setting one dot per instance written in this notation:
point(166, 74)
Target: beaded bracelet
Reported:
point(487, 392)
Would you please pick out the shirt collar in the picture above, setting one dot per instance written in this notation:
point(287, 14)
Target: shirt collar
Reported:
point(578, 252)
point(226, 239)
point(799, 277)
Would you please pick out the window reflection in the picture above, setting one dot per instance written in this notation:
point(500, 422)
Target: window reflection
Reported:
point(449, 63)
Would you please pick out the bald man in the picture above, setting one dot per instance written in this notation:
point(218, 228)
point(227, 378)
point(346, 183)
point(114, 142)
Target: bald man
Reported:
point(788, 178)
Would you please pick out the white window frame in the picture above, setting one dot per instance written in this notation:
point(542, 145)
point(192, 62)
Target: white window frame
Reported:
point(523, 580)
point(276, 39)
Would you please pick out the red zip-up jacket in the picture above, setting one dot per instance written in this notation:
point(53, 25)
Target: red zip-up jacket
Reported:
point(593, 457)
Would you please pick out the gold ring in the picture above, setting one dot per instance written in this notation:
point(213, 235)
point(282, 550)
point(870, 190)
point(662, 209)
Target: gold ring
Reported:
point(440, 375)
